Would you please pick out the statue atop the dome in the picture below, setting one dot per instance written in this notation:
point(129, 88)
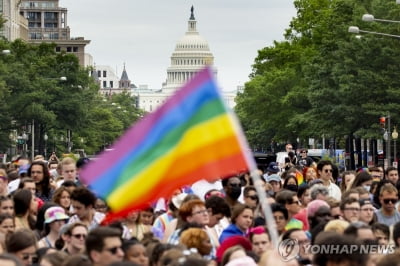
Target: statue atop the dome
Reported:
point(192, 13)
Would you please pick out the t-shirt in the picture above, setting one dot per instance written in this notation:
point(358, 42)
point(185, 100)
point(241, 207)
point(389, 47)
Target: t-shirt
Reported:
point(388, 220)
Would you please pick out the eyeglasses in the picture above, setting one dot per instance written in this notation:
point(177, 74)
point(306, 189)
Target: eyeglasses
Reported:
point(26, 256)
point(79, 236)
point(253, 197)
point(328, 170)
point(387, 201)
point(352, 209)
point(200, 212)
point(113, 250)
point(235, 185)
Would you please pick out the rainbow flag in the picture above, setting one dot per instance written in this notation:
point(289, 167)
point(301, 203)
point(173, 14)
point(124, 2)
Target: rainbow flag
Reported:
point(192, 136)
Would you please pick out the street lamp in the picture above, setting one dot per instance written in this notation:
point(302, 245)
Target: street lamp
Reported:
point(356, 30)
point(45, 138)
point(395, 135)
point(371, 18)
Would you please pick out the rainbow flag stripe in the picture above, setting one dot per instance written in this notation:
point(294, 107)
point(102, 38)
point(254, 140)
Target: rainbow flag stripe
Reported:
point(192, 136)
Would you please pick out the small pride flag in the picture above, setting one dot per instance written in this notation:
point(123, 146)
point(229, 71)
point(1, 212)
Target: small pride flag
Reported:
point(192, 136)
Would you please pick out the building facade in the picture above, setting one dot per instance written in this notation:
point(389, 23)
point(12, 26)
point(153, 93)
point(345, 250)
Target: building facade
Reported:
point(15, 25)
point(47, 22)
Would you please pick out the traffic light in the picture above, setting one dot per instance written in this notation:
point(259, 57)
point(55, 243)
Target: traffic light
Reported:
point(382, 121)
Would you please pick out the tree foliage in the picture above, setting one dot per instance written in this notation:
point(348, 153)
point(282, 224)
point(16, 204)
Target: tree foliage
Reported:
point(322, 80)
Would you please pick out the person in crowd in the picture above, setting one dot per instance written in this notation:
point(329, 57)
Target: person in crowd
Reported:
point(376, 173)
point(232, 188)
point(78, 259)
point(303, 193)
point(7, 227)
point(338, 258)
point(281, 216)
point(305, 160)
point(24, 206)
point(234, 253)
point(10, 260)
point(104, 246)
point(362, 179)
point(381, 233)
point(6, 205)
point(80, 163)
point(3, 183)
point(334, 205)
point(290, 201)
point(276, 182)
point(260, 240)
point(300, 236)
point(309, 173)
point(55, 258)
point(318, 212)
point(359, 230)
point(83, 202)
point(135, 252)
point(363, 193)
point(290, 182)
point(347, 180)
point(273, 168)
point(62, 197)
point(241, 220)
point(74, 238)
point(325, 169)
point(197, 238)
point(318, 191)
point(68, 171)
point(350, 208)
point(29, 184)
point(396, 235)
point(351, 193)
point(337, 226)
point(55, 218)
point(40, 174)
point(388, 197)
point(146, 216)
point(250, 196)
point(22, 244)
point(136, 228)
point(101, 206)
point(392, 175)
point(219, 212)
point(367, 211)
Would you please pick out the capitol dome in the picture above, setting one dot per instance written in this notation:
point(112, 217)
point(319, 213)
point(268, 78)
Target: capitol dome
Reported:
point(191, 54)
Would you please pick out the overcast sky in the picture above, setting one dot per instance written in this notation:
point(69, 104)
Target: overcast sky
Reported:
point(143, 34)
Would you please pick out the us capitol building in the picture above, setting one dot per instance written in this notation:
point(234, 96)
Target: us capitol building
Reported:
point(191, 54)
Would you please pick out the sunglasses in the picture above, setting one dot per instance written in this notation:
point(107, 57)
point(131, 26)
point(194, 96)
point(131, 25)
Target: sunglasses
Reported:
point(387, 201)
point(79, 236)
point(328, 170)
point(113, 250)
point(26, 256)
point(253, 197)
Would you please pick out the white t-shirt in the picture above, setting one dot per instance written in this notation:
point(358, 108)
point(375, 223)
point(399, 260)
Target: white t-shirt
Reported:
point(201, 187)
point(334, 191)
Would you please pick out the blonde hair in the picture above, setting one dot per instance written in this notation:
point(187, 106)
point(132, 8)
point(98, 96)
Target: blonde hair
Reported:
point(337, 226)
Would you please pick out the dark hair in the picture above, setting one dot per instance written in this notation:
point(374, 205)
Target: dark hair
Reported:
point(322, 163)
point(218, 205)
point(84, 196)
point(247, 189)
point(78, 259)
point(4, 216)
point(126, 244)
point(25, 180)
point(237, 210)
point(389, 169)
point(287, 234)
point(285, 196)
point(285, 183)
point(69, 183)
point(224, 181)
point(396, 233)
point(22, 202)
point(43, 187)
point(302, 189)
point(158, 251)
point(381, 227)
point(95, 238)
point(55, 258)
point(276, 207)
point(347, 201)
point(361, 177)
point(352, 229)
point(19, 240)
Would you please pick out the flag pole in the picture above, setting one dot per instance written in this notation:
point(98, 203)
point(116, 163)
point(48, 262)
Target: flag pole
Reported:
point(266, 208)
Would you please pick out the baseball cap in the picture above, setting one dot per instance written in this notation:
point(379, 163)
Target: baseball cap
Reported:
point(274, 177)
point(54, 214)
point(273, 167)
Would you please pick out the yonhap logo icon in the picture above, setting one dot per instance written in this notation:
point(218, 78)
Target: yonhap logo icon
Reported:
point(288, 249)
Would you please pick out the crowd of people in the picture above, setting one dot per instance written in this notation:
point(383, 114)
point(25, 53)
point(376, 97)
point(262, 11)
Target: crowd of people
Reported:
point(48, 217)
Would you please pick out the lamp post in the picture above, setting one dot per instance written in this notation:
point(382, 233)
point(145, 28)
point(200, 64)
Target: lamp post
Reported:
point(24, 137)
point(45, 138)
point(395, 135)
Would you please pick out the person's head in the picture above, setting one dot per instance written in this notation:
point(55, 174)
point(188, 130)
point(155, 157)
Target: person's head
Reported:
point(303, 193)
point(381, 233)
point(351, 193)
point(146, 216)
point(232, 187)
point(52, 165)
point(242, 216)
point(388, 196)
point(29, 184)
point(325, 169)
point(319, 192)
point(135, 252)
point(337, 226)
point(7, 224)
point(396, 234)
point(366, 211)
point(194, 211)
point(303, 153)
point(68, 169)
point(289, 148)
point(334, 205)
point(260, 239)
point(290, 200)
point(362, 179)
point(376, 173)
point(101, 206)
point(23, 202)
point(233, 253)
point(22, 243)
point(196, 238)
point(6, 205)
point(75, 236)
point(392, 175)
point(3, 182)
point(250, 196)
point(347, 180)
point(54, 258)
point(317, 212)
point(39, 173)
point(281, 216)
point(309, 173)
point(350, 209)
point(83, 202)
point(360, 231)
point(77, 259)
point(338, 258)
point(217, 209)
point(290, 182)
point(104, 246)
point(62, 196)
point(54, 219)
point(300, 236)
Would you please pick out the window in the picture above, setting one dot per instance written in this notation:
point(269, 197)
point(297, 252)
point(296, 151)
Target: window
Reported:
point(69, 49)
point(104, 84)
point(58, 49)
point(75, 49)
point(104, 73)
point(111, 84)
point(99, 73)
